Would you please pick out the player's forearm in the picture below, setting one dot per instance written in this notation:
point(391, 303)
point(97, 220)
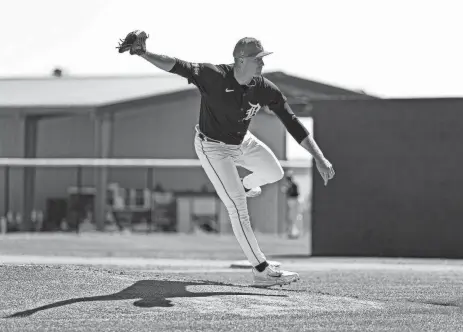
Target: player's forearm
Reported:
point(161, 61)
point(310, 145)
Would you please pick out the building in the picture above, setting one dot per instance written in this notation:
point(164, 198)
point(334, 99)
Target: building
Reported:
point(398, 188)
point(124, 117)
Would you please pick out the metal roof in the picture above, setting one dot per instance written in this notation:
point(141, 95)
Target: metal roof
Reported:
point(85, 91)
point(72, 95)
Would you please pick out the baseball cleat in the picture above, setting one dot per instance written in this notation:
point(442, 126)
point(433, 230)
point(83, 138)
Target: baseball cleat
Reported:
point(273, 277)
point(254, 192)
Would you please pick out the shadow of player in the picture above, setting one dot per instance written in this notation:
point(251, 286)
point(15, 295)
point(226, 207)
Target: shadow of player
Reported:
point(149, 293)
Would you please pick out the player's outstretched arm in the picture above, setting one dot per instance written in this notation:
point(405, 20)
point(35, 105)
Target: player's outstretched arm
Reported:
point(304, 138)
point(279, 105)
point(310, 145)
point(198, 74)
point(163, 62)
point(307, 141)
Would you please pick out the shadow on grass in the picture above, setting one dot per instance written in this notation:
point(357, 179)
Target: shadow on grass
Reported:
point(148, 293)
point(458, 303)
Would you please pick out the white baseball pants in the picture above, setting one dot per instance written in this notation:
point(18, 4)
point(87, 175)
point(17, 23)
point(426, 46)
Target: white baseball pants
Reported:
point(219, 161)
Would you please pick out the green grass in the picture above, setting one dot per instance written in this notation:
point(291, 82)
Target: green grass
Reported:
point(335, 294)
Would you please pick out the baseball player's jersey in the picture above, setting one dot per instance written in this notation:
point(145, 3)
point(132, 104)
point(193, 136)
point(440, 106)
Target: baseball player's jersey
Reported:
point(228, 107)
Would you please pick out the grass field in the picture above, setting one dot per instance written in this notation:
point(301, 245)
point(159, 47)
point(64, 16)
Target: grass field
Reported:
point(103, 282)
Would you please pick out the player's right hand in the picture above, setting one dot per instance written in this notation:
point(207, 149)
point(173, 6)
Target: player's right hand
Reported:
point(325, 168)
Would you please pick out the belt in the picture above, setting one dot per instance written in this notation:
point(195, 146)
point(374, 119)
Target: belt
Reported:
point(203, 137)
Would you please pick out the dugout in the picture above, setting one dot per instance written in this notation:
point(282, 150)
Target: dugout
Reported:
point(398, 189)
point(124, 117)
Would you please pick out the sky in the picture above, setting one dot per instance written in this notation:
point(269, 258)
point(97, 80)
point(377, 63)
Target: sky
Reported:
point(392, 48)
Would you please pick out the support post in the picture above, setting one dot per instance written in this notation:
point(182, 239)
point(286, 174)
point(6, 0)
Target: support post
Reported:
point(30, 151)
point(6, 192)
point(79, 190)
point(103, 149)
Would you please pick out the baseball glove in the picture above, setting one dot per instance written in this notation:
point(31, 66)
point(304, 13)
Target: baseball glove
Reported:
point(135, 42)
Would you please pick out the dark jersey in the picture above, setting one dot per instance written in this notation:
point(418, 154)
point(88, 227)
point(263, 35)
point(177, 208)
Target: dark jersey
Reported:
point(228, 107)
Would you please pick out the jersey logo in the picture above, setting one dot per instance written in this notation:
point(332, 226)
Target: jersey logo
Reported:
point(252, 111)
point(229, 90)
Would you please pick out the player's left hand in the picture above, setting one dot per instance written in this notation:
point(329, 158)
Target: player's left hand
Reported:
point(325, 168)
point(135, 41)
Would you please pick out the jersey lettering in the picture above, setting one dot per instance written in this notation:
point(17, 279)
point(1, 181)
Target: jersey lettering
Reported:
point(252, 111)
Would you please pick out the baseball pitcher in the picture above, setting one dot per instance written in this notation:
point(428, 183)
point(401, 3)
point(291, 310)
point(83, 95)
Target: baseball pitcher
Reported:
point(231, 95)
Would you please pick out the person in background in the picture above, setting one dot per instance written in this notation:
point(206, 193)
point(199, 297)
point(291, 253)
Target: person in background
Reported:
point(291, 189)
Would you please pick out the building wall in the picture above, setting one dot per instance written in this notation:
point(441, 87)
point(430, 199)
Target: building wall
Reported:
point(153, 131)
point(64, 137)
point(398, 188)
point(164, 131)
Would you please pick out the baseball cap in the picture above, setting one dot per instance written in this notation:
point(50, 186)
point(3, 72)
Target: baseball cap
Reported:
point(249, 47)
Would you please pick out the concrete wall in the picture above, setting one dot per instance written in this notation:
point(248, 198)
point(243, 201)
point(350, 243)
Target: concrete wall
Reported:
point(163, 131)
point(398, 189)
